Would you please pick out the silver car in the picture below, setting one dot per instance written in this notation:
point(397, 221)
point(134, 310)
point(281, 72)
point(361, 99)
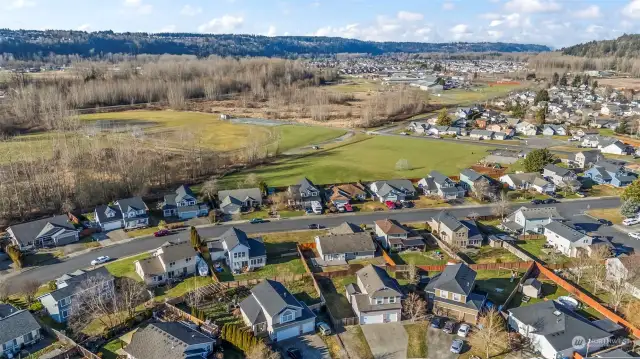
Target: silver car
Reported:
point(456, 346)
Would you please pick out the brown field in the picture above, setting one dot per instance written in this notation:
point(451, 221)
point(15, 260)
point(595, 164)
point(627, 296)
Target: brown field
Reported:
point(620, 83)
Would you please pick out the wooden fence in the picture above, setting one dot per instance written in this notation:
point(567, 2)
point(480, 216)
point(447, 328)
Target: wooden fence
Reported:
point(65, 339)
point(207, 328)
point(517, 252)
point(526, 275)
point(531, 237)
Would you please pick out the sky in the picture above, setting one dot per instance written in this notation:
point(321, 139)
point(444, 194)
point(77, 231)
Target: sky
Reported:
point(556, 23)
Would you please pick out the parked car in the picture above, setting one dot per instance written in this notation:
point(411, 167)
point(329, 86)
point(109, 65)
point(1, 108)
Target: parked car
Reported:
point(536, 201)
point(348, 208)
point(634, 235)
point(436, 322)
point(323, 328)
point(464, 330)
point(100, 260)
point(605, 222)
point(556, 195)
point(549, 201)
point(315, 226)
point(161, 233)
point(257, 220)
point(449, 327)
point(294, 353)
point(407, 204)
point(390, 204)
point(456, 346)
point(631, 221)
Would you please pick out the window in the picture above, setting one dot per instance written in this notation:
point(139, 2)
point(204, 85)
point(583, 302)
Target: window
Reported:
point(172, 264)
point(444, 294)
point(188, 260)
point(64, 313)
point(392, 299)
point(379, 300)
point(27, 337)
point(64, 302)
point(456, 297)
point(287, 317)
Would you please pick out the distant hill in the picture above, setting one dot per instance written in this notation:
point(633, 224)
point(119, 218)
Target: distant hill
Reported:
point(624, 46)
point(31, 44)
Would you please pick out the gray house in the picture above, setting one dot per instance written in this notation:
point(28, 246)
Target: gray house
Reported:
point(46, 232)
point(272, 309)
point(345, 247)
point(183, 204)
point(437, 184)
point(394, 237)
point(128, 213)
point(307, 195)
point(375, 297)
point(533, 219)
point(561, 177)
point(585, 159)
point(238, 200)
point(171, 261)
point(346, 228)
point(393, 190)
point(238, 250)
point(169, 340)
point(18, 329)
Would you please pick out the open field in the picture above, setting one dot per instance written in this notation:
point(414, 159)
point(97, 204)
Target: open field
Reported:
point(475, 95)
point(621, 82)
point(371, 159)
point(355, 85)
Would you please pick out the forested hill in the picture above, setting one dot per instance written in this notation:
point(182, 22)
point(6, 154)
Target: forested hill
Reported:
point(29, 44)
point(624, 46)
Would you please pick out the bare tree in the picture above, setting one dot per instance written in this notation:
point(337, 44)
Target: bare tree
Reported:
point(597, 267)
point(580, 265)
point(252, 180)
point(501, 207)
point(620, 281)
point(403, 165)
point(261, 351)
point(414, 306)
point(4, 290)
point(210, 189)
point(412, 273)
point(29, 288)
point(194, 298)
point(473, 215)
point(278, 201)
point(491, 337)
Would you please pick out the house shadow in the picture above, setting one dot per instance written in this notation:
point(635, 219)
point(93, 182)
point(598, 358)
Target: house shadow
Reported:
point(40, 258)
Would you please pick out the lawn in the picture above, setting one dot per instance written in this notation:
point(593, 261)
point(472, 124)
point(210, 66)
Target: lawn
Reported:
point(374, 158)
point(274, 267)
point(304, 291)
point(488, 254)
point(214, 133)
point(286, 241)
point(355, 85)
point(534, 247)
point(417, 343)
point(264, 213)
point(604, 190)
point(125, 267)
point(496, 283)
point(109, 350)
point(426, 202)
point(333, 292)
point(477, 94)
point(611, 214)
point(420, 258)
point(142, 232)
point(182, 288)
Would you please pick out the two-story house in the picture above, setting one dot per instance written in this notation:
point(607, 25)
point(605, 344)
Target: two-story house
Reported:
point(307, 195)
point(375, 297)
point(239, 251)
point(561, 177)
point(611, 173)
point(127, 213)
point(456, 233)
point(554, 130)
point(18, 329)
point(394, 237)
point(585, 159)
point(340, 248)
point(171, 261)
point(342, 195)
point(169, 340)
point(239, 200)
point(437, 184)
point(451, 293)
point(46, 232)
point(392, 190)
point(272, 309)
point(565, 239)
point(533, 219)
point(59, 303)
point(528, 181)
point(183, 204)
point(474, 182)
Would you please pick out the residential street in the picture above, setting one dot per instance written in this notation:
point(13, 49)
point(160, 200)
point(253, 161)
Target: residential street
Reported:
point(55, 270)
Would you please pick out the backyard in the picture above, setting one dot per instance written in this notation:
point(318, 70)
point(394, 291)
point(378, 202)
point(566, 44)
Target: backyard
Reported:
point(488, 254)
point(430, 257)
point(498, 284)
point(536, 249)
point(333, 292)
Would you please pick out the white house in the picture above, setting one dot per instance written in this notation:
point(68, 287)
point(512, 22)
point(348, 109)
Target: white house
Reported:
point(171, 261)
point(526, 181)
point(18, 329)
point(375, 297)
point(566, 239)
point(615, 148)
point(530, 219)
point(239, 251)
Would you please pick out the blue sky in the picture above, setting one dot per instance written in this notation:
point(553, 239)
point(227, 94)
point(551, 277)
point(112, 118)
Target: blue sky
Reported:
point(551, 22)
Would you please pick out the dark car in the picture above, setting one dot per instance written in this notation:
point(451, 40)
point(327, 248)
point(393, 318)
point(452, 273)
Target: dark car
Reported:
point(294, 353)
point(449, 327)
point(556, 195)
point(605, 222)
point(161, 233)
point(536, 201)
point(436, 322)
point(549, 201)
point(257, 220)
point(315, 226)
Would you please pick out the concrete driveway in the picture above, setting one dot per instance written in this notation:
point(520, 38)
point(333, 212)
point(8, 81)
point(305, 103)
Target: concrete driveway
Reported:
point(311, 346)
point(439, 344)
point(387, 340)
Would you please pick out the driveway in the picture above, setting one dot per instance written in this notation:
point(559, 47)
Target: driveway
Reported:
point(311, 346)
point(617, 234)
point(387, 340)
point(439, 344)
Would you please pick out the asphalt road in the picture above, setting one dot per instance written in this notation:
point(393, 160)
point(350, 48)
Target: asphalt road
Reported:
point(52, 271)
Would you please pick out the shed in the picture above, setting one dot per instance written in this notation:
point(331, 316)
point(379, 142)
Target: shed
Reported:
point(532, 288)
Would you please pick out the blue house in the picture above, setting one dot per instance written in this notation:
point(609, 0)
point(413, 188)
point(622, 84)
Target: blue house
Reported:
point(610, 172)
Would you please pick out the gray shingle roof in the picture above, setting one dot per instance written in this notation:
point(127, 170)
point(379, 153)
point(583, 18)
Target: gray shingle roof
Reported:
point(565, 231)
point(346, 243)
point(456, 278)
point(560, 171)
point(175, 251)
point(376, 279)
point(256, 247)
point(471, 174)
point(101, 213)
point(241, 195)
point(26, 232)
point(252, 309)
point(540, 212)
point(307, 186)
point(16, 325)
point(234, 236)
point(439, 177)
point(184, 192)
point(401, 185)
point(76, 280)
point(346, 228)
point(448, 220)
point(167, 340)
point(273, 297)
point(151, 266)
point(134, 202)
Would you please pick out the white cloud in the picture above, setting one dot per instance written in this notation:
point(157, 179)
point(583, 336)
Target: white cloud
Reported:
point(18, 4)
point(460, 31)
point(271, 31)
point(189, 10)
point(590, 12)
point(532, 6)
point(495, 34)
point(448, 5)
point(410, 16)
point(511, 21)
point(594, 29)
point(632, 10)
point(168, 28)
point(224, 24)
point(138, 6)
point(84, 27)
point(490, 16)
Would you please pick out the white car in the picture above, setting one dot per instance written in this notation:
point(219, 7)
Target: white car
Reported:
point(631, 221)
point(634, 235)
point(100, 260)
point(464, 330)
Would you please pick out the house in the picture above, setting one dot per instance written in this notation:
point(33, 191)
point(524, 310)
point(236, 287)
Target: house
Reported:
point(625, 268)
point(307, 195)
point(526, 129)
point(471, 181)
point(392, 190)
point(565, 239)
point(451, 293)
point(59, 303)
point(375, 297)
point(46, 232)
point(554, 130)
point(585, 159)
point(616, 148)
point(346, 228)
point(610, 172)
point(183, 204)
point(505, 156)
point(169, 340)
point(533, 219)
point(345, 247)
point(532, 288)
point(344, 194)
point(171, 261)
point(481, 134)
point(128, 213)
point(272, 309)
point(527, 181)
point(461, 234)
point(393, 236)
point(561, 177)
point(552, 329)
point(239, 251)
point(442, 186)
point(18, 329)
point(418, 126)
point(239, 200)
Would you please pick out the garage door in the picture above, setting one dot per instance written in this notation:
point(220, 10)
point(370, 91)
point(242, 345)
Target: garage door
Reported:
point(111, 226)
point(393, 317)
point(308, 327)
point(288, 333)
point(371, 319)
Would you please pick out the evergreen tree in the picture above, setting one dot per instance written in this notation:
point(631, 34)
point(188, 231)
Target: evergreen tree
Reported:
point(586, 79)
point(555, 79)
point(594, 85)
point(542, 95)
point(223, 331)
point(563, 80)
point(195, 237)
point(577, 80)
point(622, 128)
point(537, 159)
point(443, 118)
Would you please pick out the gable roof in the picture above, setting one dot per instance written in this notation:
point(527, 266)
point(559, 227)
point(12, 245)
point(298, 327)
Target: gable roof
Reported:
point(165, 340)
point(71, 283)
point(233, 237)
point(456, 278)
point(184, 192)
point(539, 212)
point(16, 325)
point(25, 232)
point(346, 228)
point(375, 279)
point(400, 185)
point(273, 297)
point(471, 174)
point(175, 251)
point(134, 202)
point(390, 226)
point(560, 171)
point(307, 185)
point(448, 220)
point(101, 213)
point(439, 177)
point(565, 231)
point(240, 195)
point(346, 243)
point(531, 177)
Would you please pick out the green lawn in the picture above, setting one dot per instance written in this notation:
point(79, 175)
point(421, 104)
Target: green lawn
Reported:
point(496, 283)
point(333, 292)
point(417, 342)
point(274, 267)
point(611, 214)
point(286, 241)
point(141, 232)
point(420, 258)
point(488, 254)
point(534, 247)
point(125, 267)
point(108, 351)
point(371, 159)
point(182, 288)
point(264, 213)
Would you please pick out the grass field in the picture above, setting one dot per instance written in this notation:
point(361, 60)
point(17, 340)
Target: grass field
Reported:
point(477, 94)
point(417, 340)
point(125, 267)
point(488, 254)
point(371, 159)
point(496, 283)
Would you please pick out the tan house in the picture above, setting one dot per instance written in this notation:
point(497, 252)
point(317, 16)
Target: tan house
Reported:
point(345, 193)
point(394, 237)
point(172, 260)
point(455, 232)
point(451, 293)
